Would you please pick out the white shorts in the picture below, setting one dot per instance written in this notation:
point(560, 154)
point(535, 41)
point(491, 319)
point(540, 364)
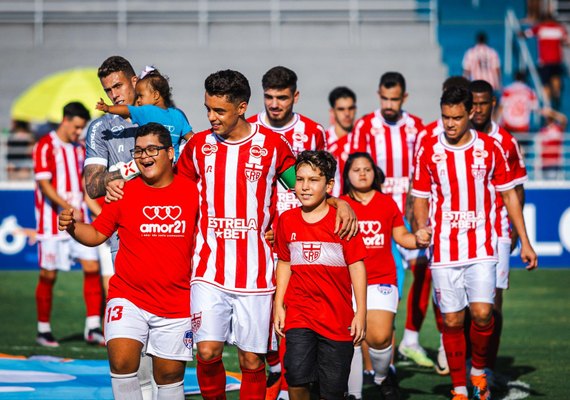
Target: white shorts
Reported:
point(60, 254)
point(105, 259)
point(455, 287)
point(240, 319)
point(168, 338)
point(382, 297)
point(504, 250)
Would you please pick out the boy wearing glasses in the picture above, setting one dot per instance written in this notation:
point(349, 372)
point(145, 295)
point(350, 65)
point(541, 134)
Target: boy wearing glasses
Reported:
point(149, 296)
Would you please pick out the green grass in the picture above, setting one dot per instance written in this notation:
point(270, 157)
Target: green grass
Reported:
point(535, 346)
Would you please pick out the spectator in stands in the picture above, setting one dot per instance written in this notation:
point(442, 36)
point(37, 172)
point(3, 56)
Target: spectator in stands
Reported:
point(19, 157)
point(550, 139)
point(482, 62)
point(551, 36)
point(518, 102)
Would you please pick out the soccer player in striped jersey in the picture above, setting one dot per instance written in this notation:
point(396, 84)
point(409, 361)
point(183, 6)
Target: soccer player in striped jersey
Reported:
point(482, 62)
point(483, 104)
point(58, 166)
point(236, 165)
point(343, 112)
point(459, 174)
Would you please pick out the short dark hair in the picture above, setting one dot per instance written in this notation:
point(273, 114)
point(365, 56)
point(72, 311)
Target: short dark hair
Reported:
point(340, 92)
point(279, 78)
point(159, 130)
point(377, 182)
point(481, 37)
point(76, 109)
point(320, 159)
point(456, 80)
point(392, 79)
point(481, 86)
point(228, 83)
point(520, 76)
point(115, 64)
point(457, 95)
point(160, 83)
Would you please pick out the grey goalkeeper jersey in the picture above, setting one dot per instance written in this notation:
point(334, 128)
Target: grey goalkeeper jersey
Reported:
point(109, 140)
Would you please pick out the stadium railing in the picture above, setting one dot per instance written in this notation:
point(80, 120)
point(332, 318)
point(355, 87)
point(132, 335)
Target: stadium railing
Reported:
point(205, 12)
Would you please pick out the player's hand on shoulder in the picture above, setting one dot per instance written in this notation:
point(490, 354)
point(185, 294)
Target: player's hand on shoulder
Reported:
point(65, 219)
point(346, 222)
point(114, 190)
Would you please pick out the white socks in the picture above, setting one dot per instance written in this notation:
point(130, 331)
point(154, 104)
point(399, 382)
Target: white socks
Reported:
point(145, 378)
point(381, 363)
point(126, 386)
point(171, 391)
point(410, 338)
point(92, 322)
point(44, 327)
point(355, 379)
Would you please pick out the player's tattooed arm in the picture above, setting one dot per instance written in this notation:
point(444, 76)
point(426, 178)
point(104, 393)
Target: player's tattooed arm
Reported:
point(97, 178)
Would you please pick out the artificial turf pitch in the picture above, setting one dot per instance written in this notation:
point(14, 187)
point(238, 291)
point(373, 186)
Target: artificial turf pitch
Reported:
point(534, 354)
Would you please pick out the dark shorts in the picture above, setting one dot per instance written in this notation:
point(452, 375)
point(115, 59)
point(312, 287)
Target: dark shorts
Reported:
point(547, 71)
point(310, 358)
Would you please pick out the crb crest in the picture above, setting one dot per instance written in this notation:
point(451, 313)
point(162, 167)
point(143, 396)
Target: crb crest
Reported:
point(196, 322)
point(188, 339)
point(253, 171)
point(311, 251)
point(479, 172)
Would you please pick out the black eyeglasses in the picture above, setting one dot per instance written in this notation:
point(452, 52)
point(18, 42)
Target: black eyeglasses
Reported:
point(151, 151)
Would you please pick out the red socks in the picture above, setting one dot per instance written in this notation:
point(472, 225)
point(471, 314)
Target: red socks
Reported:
point(454, 343)
point(253, 383)
point(418, 297)
point(495, 340)
point(44, 295)
point(272, 358)
point(282, 350)
point(92, 293)
point(212, 378)
point(480, 340)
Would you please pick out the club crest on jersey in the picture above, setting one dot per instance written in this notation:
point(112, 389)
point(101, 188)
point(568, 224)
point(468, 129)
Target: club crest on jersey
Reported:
point(385, 289)
point(311, 251)
point(438, 157)
point(162, 212)
point(209, 149)
point(253, 171)
point(196, 322)
point(478, 172)
point(257, 151)
point(188, 339)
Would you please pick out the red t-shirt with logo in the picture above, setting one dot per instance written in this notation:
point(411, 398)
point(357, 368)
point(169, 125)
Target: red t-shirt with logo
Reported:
point(376, 221)
point(156, 228)
point(319, 294)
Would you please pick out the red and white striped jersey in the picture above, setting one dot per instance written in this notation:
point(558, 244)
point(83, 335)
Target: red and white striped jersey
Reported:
point(302, 134)
point(551, 36)
point(516, 165)
point(340, 150)
point(482, 62)
point(391, 147)
point(62, 164)
point(518, 101)
point(461, 183)
point(434, 128)
point(237, 186)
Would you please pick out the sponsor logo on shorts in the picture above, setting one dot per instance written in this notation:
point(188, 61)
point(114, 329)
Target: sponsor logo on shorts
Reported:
point(188, 339)
point(311, 251)
point(385, 289)
point(196, 322)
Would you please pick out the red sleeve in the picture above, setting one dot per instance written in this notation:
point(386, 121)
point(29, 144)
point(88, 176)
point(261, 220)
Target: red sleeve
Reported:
point(185, 164)
point(357, 137)
point(516, 161)
point(285, 157)
point(503, 176)
point(354, 249)
point(281, 246)
point(320, 140)
point(107, 221)
point(397, 217)
point(44, 161)
point(422, 178)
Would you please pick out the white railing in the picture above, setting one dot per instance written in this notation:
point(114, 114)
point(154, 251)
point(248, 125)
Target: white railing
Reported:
point(205, 12)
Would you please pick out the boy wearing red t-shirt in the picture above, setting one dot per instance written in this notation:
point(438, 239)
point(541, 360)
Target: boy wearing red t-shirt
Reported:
point(316, 274)
point(149, 294)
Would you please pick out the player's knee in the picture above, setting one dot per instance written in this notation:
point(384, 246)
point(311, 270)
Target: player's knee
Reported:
point(481, 316)
point(123, 365)
point(250, 360)
point(90, 266)
point(48, 276)
point(453, 321)
point(168, 376)
point(206, 351)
